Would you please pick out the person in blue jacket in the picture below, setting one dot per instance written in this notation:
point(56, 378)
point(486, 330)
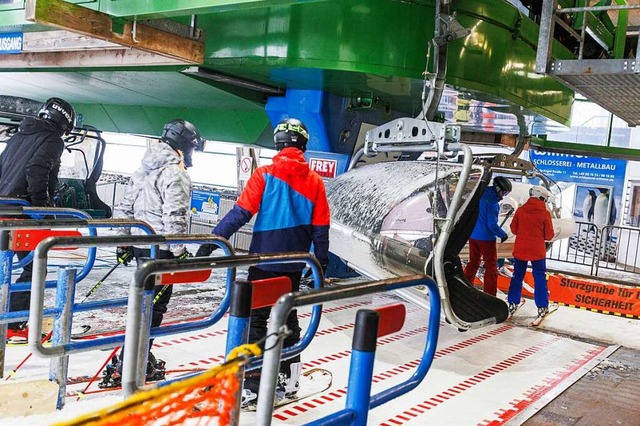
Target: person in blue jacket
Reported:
point(482, 243)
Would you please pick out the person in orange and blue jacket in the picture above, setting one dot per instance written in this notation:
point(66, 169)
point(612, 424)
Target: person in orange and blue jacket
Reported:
point(293, 213)
point(532, 227)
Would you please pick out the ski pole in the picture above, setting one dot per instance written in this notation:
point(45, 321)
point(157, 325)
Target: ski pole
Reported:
point(508, 215)
point(95, 376)
point(101, 281)
point(89, 293)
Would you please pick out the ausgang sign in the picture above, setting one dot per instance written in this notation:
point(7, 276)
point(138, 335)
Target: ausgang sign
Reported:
point(10, 43)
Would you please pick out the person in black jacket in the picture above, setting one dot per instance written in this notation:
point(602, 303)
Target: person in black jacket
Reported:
point(29, 170)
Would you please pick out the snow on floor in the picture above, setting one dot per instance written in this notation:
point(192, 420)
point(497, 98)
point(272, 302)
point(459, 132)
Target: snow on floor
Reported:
point(489, 375)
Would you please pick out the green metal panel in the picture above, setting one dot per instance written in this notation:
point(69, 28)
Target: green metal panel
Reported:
point(379, 47)
point(239, 126)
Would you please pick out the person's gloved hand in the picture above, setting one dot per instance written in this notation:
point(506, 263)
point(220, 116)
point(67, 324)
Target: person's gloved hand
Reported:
point(205, 250)
point(503, 239)
point(124, 254)
point(184, 255)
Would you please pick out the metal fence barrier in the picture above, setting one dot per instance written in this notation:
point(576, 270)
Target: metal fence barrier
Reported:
point(612, 247)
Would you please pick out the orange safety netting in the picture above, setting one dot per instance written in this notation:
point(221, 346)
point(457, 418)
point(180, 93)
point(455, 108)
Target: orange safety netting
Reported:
point(206, 399)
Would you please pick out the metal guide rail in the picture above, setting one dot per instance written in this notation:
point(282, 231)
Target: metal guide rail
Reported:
point(359, 400)
point(141, 292)
point(63, 347)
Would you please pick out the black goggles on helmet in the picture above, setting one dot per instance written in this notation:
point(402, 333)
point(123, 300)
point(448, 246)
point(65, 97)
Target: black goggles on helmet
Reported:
point(288, 127)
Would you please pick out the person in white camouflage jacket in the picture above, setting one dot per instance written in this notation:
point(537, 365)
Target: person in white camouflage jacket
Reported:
point(159, 193)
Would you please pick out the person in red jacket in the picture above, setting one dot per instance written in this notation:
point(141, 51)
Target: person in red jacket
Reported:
point(532, 227)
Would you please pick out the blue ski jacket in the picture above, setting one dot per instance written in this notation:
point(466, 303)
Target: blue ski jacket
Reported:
point(291, 206)
point(487, 228)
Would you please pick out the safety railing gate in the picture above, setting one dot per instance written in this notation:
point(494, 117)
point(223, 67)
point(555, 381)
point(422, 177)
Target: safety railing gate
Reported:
point(370, 324)
point(62, 346)
point(611, 247)
point(24, 239)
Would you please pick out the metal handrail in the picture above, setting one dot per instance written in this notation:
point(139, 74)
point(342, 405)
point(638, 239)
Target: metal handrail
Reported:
point(286, 303)
point(136, 337)
point(34, 212)
point(40, 271)
point(441, 245)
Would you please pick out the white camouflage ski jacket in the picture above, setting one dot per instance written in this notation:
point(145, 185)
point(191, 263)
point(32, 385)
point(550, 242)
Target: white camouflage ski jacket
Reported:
point(158, 193)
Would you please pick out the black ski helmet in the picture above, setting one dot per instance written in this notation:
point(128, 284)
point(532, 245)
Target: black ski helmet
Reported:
point(184, 136)
point(502, 184)
point(291, 132)
point(60, 112)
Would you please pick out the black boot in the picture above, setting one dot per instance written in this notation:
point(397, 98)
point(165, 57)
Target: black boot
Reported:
point(112, 375)
point(155, 369)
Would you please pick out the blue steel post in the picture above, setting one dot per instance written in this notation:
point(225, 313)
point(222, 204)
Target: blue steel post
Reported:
point(65, 294)
point(6, 257)
point(361, 370)
point(239, 314)
point(238, 334)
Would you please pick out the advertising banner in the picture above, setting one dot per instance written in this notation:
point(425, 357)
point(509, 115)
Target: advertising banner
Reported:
point(205, 206)
point(596, 179)
point(327, 164)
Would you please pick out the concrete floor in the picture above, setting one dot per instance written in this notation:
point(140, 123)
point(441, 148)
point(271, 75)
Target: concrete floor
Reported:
point(607, 395)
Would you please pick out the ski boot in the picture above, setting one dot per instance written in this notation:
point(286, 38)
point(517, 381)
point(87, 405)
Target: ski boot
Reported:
point(112, 375)
point(288, 384)
point(156, 369)
point(250, 388)
point(512, 309)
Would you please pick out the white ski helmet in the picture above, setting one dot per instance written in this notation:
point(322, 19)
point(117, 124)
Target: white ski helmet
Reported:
point(539, 192)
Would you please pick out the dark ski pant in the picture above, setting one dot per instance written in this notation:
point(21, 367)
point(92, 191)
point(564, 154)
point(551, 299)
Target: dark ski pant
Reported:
point(160, 306)
point(538, 270)
point(20, 300)
point(258, 327)
point(488, 252)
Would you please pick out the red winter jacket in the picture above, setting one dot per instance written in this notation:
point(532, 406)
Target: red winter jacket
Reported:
point(532, 227)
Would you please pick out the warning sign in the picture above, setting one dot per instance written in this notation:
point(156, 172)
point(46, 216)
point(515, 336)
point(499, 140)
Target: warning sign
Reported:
point(245, 168)
point(603, 297)
point(325, 168)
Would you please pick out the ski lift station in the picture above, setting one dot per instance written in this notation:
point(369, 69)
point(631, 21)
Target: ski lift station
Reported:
point(412, 109)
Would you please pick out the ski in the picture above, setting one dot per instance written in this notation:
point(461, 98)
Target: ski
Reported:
point(80, 332)
point(312, 382)
point(538, 320)
point(75, 380)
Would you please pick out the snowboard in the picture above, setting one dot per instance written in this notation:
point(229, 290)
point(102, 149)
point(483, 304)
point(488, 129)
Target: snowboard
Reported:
point(538, 320)
point(312, 382)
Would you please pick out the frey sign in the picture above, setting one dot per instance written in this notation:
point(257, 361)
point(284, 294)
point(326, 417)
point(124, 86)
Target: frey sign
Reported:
point(10, 43)
point(324, 167)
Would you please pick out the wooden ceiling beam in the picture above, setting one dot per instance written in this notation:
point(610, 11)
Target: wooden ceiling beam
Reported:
point(86, 59)
point(71, 17)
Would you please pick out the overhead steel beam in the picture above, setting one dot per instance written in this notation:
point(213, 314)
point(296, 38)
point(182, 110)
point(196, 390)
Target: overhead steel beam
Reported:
point(68, 16)
point(146, 9)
